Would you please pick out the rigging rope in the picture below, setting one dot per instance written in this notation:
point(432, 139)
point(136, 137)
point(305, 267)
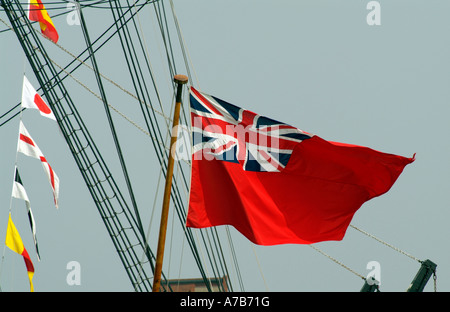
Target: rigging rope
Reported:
point(386, 244)
point(185, 53)
point(113, 129)
point(66, 125)
point(260, 269)
point(234, 258)
point(130, 54)
point(185, 50)
point(60, 5)
point(82, 62)
point(336, 261)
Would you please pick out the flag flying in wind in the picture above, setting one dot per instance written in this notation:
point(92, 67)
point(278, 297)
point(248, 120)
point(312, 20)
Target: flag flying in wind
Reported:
point(14, 242)
point(38, 13)
point(28, 146)
point(31, 99)
point(274, 183)
point(20, 193)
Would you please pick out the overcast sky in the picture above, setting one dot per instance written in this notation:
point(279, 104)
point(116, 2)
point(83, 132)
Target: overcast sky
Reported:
point(315, 64)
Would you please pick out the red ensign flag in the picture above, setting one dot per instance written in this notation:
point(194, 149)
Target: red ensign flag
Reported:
point(274, 183)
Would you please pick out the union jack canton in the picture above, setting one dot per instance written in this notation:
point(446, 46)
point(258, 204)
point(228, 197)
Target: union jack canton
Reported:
point(226, 132)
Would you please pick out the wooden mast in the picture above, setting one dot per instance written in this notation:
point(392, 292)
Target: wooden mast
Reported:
point(180, 80)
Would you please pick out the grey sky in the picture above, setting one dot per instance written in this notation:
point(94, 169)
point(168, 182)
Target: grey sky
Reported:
point(314, 64)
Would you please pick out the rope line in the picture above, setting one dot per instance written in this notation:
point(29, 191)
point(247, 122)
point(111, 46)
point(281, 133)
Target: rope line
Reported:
point(260, 269)
point(77, 58)
point(386, 244)
point(336, 261)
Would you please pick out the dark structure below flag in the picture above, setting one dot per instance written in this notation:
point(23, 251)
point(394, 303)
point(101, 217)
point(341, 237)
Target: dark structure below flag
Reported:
point(274, 183)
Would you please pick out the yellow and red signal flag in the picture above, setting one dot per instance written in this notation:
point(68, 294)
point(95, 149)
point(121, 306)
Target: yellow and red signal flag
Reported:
point(38, 13)
point(14, 242)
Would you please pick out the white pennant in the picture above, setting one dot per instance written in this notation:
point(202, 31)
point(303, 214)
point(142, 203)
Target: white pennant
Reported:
point(27, 146)
point(19, 192)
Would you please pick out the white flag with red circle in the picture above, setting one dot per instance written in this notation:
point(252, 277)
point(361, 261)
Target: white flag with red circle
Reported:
point(31, 99)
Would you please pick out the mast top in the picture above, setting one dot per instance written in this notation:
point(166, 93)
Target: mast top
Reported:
point(181, 79)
